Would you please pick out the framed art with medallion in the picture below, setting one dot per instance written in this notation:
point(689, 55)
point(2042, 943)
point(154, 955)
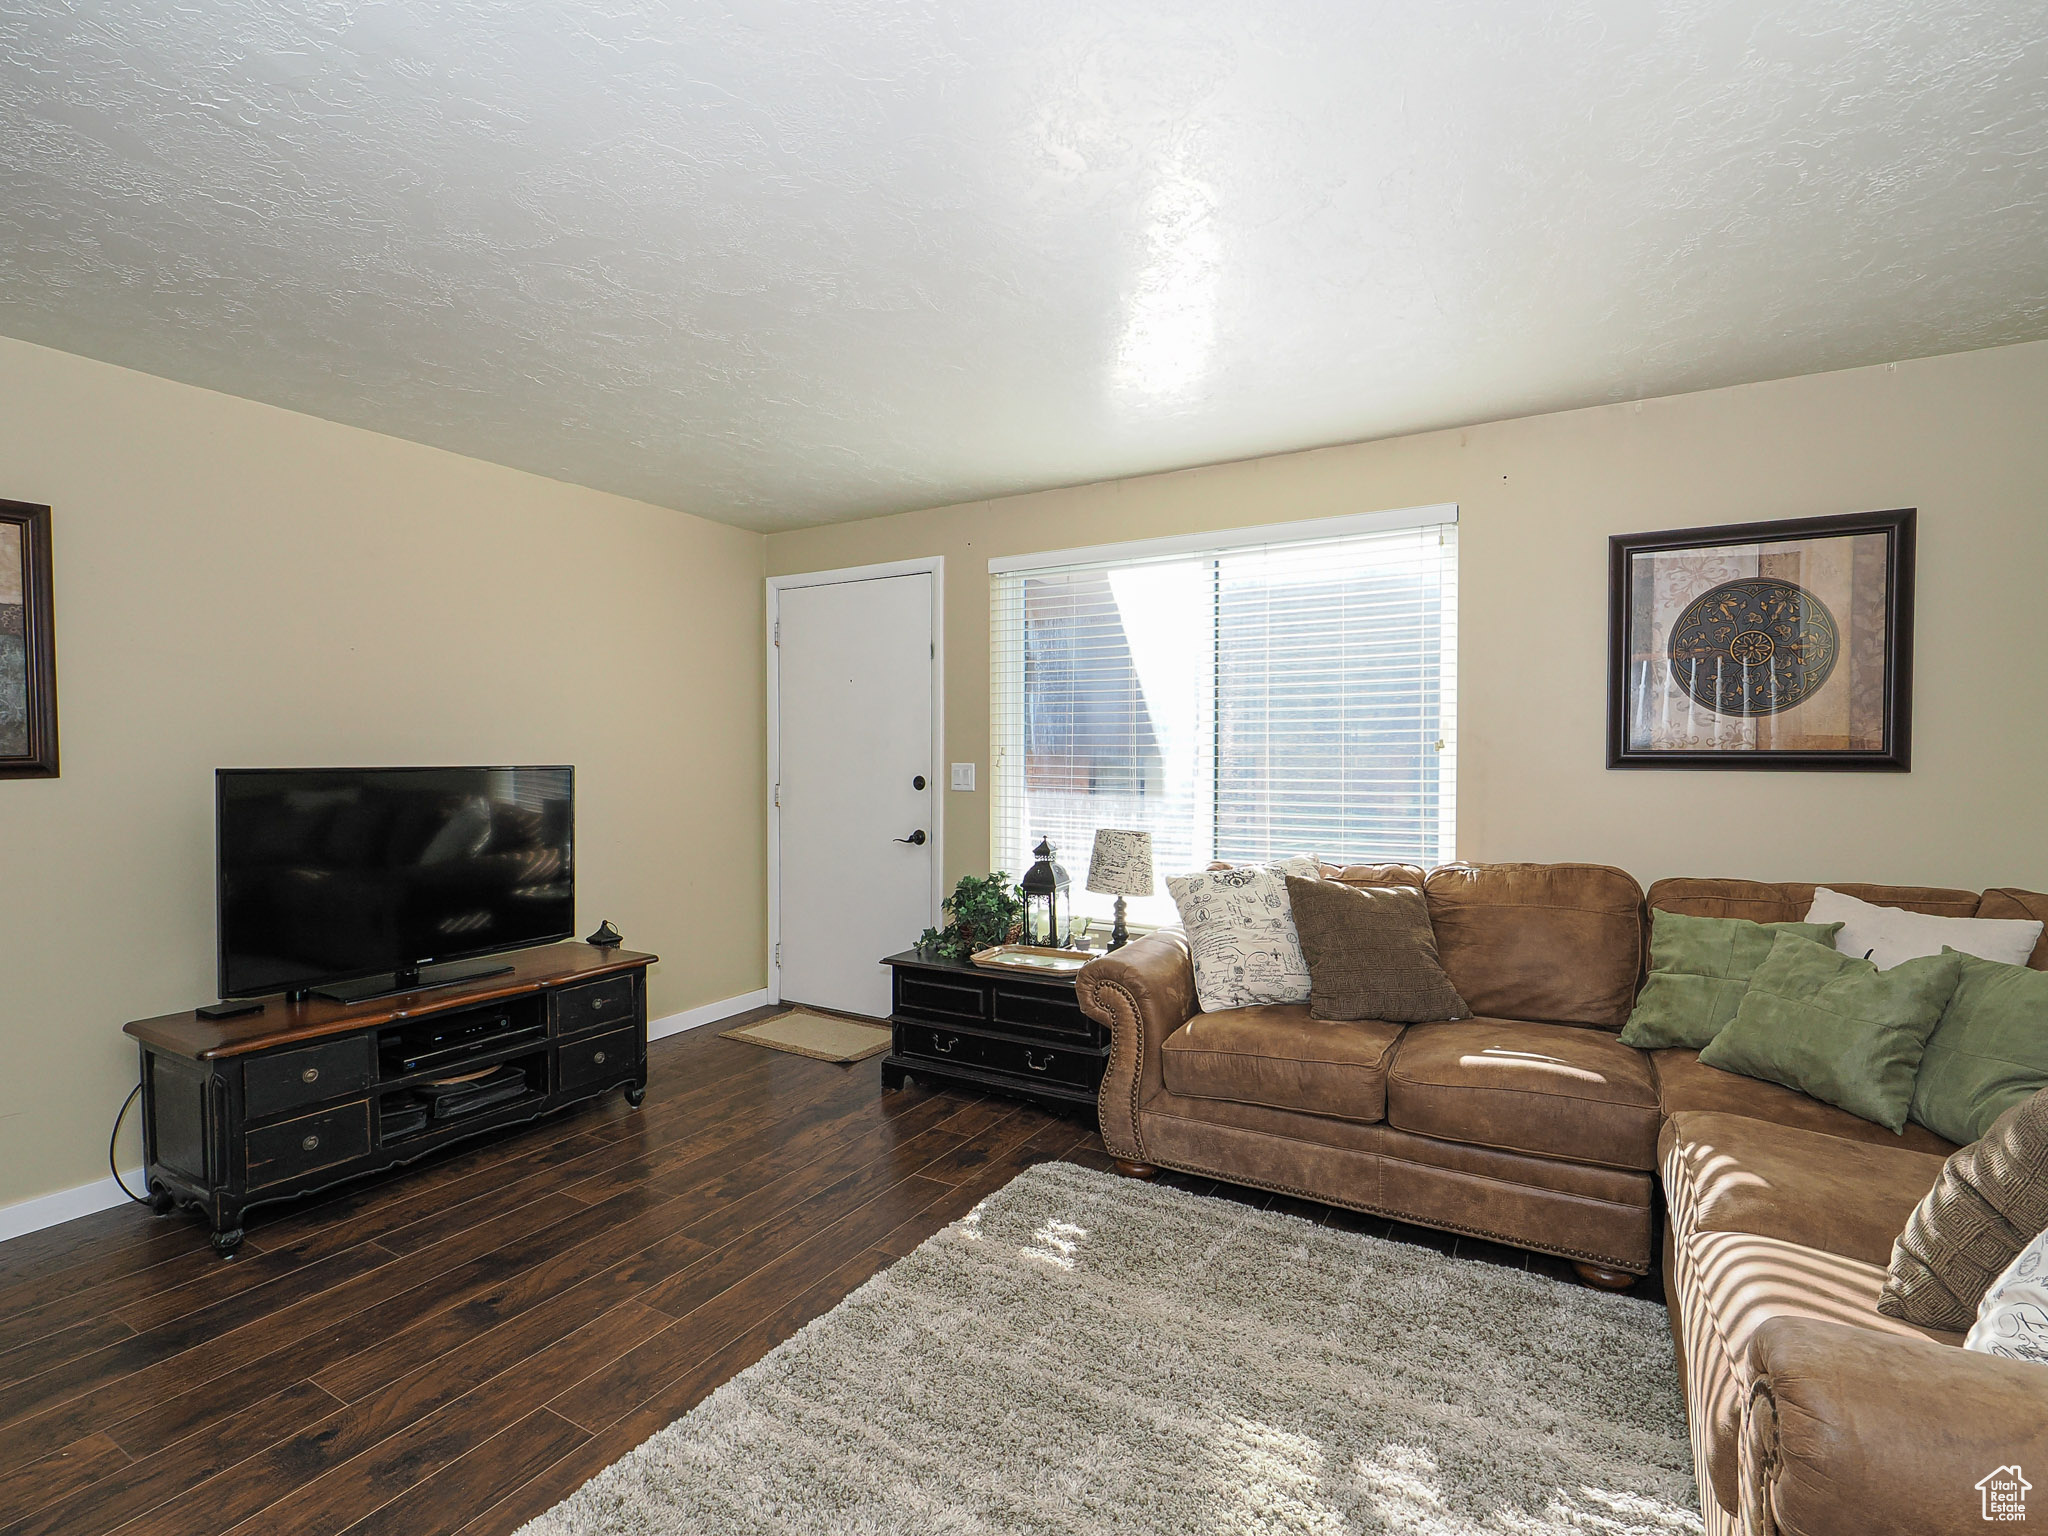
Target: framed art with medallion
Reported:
point(1784, 644)
point(28, 655)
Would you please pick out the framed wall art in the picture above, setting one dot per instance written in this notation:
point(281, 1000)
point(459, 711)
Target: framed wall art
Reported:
point(1763, 645)
point(28, 645)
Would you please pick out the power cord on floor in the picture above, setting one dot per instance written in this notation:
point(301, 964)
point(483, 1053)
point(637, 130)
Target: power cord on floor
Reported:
point(116, 1136)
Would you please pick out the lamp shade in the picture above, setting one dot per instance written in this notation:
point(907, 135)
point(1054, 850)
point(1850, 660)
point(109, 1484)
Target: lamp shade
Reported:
point(1122, 863)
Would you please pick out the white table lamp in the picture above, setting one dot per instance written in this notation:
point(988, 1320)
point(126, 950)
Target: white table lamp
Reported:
point(1121, 866)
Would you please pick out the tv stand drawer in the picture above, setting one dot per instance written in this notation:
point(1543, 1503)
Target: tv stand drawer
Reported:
point(292, 1149)
point(599, 1005)
point(599, 1059)
point(312, 1074)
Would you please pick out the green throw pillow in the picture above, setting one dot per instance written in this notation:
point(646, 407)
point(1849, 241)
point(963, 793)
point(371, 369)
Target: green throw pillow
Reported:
point(1699, 969)
point(1837, 1027)
point(1989, 1052)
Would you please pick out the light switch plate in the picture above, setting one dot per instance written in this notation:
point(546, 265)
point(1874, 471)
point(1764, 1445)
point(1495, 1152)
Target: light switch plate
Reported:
point(963, 775)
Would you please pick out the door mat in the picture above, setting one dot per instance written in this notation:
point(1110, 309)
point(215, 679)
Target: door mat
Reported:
point(817, 1035)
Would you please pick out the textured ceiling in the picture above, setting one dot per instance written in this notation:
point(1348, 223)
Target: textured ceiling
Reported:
point(789, 263)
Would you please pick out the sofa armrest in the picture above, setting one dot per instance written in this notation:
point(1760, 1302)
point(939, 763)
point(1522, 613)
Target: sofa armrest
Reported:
point(1849, 1432)
point(1143, 992)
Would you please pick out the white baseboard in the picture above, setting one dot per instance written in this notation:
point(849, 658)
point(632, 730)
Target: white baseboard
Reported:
point(102, 1194)
point(26, 1216)
point(709, 1013)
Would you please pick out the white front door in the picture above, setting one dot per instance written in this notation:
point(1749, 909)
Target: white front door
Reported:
point(854, 785)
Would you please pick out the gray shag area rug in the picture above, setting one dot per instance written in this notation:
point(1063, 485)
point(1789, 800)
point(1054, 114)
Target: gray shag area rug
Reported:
point(1085, 1353)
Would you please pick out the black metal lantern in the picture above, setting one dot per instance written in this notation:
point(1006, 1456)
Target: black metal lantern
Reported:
point(1048, 915)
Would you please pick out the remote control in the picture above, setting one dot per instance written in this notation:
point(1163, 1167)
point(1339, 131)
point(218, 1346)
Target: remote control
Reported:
point(228, 1010)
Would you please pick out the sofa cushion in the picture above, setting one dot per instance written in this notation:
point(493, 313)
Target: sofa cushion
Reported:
point(1728, 1173)
point(1562, 943)
point(1685, 1082)
point(1546, 1089)
point(1768, 1221)
point(1276, 1055)
point(1768, 901)
point(2006, 902)
point(1372, 876)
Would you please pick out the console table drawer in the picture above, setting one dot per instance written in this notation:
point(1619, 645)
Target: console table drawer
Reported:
point(941, 998)
point(291, 1149)
point(937, 1043)
point(1038, 1008)
point(312, 1074)
point(598, 1058)
point(600, 1005)
point(1074, 1069)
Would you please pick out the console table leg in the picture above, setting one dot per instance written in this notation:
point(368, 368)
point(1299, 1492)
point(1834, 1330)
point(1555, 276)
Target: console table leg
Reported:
point(161, 1201)
point(225, 1243)
point(635, 1094)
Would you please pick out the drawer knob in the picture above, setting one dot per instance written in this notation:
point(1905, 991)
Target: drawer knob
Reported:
point(310, 1075)
point(310, 1143)
point(597, 1002)
point(1038, 1066)
point(598, 1059)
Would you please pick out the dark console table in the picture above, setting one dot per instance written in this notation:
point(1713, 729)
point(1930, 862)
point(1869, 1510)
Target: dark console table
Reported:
point(1006, 1030)
point(304, 1095)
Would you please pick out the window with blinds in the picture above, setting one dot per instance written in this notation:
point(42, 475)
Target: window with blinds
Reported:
point(1241, 703)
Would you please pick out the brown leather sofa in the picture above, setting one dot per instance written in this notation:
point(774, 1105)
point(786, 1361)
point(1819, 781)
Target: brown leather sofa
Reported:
point(1531, 1124)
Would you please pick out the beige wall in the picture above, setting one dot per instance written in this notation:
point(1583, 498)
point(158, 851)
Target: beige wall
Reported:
point(237, 584)
point(1963, 438)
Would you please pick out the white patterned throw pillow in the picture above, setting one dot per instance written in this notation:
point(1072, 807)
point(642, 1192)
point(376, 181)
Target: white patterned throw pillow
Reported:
point(2012, 1319)
point(1240, 928)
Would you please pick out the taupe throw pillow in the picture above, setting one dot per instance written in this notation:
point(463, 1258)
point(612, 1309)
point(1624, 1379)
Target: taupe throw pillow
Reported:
point(1990, 1201)
point(1371, 953)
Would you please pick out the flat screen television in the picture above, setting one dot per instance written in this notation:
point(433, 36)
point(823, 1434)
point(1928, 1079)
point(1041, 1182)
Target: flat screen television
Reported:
point(359, 882)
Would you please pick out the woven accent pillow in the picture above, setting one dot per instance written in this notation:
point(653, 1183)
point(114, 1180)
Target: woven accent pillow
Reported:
point(1989, 1203)
point(1241, 933)
point(1371, 953)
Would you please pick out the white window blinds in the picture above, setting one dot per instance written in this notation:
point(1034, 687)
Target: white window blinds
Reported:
point(1245, 703)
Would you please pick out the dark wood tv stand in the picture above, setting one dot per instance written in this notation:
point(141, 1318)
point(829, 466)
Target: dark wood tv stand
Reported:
point(309, 1093)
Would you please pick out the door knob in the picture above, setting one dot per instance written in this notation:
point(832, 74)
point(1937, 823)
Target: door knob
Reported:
point(917, 782)
point(916, 839)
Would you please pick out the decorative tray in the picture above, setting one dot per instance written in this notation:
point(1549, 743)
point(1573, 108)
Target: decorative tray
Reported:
point(1026, 957)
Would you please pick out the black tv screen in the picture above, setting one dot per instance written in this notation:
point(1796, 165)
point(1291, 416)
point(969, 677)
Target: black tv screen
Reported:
point(327, 874)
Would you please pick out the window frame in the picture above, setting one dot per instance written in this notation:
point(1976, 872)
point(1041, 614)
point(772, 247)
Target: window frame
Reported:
point(1006, 652)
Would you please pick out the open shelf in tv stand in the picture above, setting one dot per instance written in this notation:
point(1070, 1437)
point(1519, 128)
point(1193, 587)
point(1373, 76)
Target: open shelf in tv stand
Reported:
point(272, 1106)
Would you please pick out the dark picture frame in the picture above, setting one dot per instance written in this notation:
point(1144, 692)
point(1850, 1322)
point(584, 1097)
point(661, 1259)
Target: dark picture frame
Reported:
point(28, 645)
point(1696, 679)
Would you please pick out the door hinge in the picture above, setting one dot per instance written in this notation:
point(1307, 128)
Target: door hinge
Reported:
point(778, 631)
point(778, 797)
point(778, 954)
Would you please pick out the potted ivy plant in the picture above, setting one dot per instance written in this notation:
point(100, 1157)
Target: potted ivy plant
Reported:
point(983, 910)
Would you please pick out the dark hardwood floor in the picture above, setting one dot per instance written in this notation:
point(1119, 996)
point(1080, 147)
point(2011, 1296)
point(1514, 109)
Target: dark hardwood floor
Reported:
point(457, 1347)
